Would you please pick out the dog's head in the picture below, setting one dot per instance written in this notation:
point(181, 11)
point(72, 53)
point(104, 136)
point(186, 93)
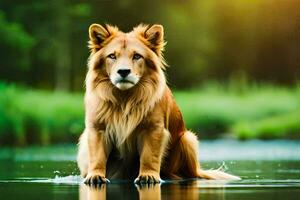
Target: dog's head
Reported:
point(126, 59)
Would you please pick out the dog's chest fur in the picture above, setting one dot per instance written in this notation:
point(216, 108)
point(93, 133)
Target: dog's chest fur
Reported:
point(121, 123)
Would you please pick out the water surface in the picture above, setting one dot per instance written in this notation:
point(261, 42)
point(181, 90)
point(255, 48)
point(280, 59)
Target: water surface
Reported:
point(269, 170)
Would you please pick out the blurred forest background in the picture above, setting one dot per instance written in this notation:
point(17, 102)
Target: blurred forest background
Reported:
point(234, 64)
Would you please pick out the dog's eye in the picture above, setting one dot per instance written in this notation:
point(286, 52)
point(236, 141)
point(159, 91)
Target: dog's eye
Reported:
point(112, 56)
point(136, 56)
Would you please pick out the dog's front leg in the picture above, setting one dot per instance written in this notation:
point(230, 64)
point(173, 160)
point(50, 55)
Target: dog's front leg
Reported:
point(151, 146)
point(98, 153)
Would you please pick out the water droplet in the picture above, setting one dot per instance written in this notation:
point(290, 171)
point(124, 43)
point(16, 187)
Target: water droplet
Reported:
point(56, 172)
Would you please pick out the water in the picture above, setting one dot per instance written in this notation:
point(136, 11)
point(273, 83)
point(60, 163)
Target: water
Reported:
point(269, 170)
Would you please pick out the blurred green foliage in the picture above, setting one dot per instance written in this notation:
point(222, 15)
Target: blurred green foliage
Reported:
point(246, 112)
point(40, 117)
point(43, 43)
point(14, 41)
point(273, 127)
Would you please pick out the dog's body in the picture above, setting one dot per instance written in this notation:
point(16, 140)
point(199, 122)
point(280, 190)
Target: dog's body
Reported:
point(133, 125)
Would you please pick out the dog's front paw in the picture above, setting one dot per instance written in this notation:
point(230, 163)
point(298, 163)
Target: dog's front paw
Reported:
point(95, 179)
point(147, 178)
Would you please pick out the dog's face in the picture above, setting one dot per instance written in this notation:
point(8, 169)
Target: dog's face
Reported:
point(124, 61)
point(126, 58)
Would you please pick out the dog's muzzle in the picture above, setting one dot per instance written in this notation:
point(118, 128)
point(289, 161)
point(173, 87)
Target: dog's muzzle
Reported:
point(124, 79)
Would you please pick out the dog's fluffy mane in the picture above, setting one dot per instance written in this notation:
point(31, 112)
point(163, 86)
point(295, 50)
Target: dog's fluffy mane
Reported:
point(122, 111)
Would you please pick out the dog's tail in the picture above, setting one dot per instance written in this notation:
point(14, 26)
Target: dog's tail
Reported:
point(191, 167)
point(216, 175)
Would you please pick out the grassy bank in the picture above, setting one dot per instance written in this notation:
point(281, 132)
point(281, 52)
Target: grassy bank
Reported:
point(41, 117)
point(244, 112)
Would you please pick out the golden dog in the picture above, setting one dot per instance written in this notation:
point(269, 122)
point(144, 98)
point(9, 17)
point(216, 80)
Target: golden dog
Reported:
point(133, 127)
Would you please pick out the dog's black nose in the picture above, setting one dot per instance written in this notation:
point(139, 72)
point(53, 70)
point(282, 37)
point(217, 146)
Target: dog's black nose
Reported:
point(123, 72)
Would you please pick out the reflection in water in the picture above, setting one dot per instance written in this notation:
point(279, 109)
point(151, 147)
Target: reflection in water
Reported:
point(187, 190)
point(149, 192)
point(91, 192)
point(267, 174)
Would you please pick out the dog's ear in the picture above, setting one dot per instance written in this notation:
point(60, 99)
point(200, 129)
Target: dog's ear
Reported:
point(155, 36)
point(99, 34)
point(152, 36)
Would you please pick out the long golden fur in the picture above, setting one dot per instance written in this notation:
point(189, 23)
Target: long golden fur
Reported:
point(133, 127)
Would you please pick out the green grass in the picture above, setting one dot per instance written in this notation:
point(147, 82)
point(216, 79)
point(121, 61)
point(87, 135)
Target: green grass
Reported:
point(42, 117)
point(274, 127)
point(242, 112)
point(33, 116)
